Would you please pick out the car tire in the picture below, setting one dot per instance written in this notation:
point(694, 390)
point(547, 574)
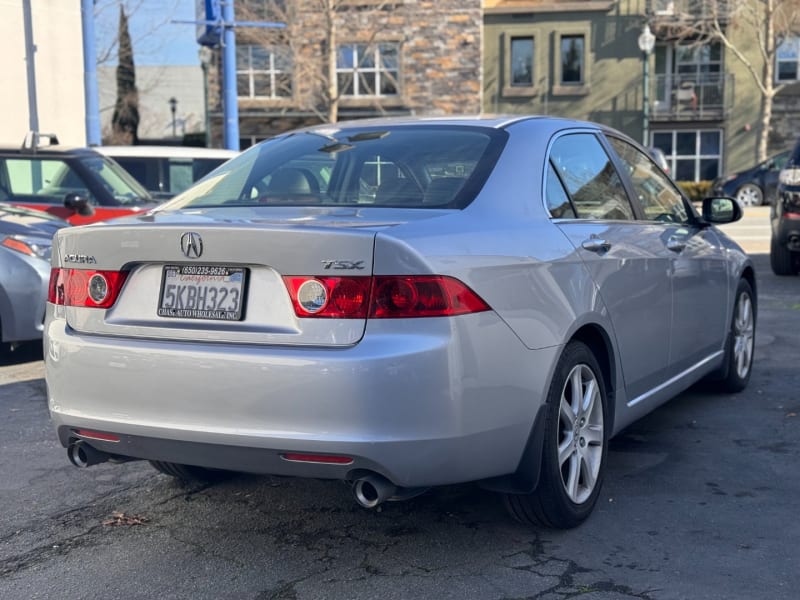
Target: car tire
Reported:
point(738, 366)
point(189, 473)
point(575, 445)
point(781, 259)
point(750, 195)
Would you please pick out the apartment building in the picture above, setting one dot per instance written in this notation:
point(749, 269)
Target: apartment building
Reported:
point(581, 59)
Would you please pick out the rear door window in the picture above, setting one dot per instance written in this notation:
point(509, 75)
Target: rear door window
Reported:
point(590, 178)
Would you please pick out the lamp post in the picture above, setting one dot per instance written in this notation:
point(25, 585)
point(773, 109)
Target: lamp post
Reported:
point(206, 54)
point(646, 43)
point(173, 106)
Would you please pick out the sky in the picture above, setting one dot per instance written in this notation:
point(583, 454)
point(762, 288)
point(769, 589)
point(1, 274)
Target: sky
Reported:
point(156, 38)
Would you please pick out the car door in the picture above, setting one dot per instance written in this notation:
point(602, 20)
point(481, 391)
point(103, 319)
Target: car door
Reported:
point(626, 257)
point(698, 266)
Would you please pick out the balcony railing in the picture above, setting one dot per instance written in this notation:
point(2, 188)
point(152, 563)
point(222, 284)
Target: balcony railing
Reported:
point(692, 10)
point(699, 97)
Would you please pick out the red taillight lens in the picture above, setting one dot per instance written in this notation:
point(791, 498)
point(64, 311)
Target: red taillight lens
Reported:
point(331, 297)
point(384, 297)
point(399, 297)
point(88, 288)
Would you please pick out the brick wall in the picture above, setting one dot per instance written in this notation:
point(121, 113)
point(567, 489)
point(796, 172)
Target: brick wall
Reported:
point(440, 61)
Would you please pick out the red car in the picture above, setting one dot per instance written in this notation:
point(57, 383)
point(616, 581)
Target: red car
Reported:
point(76, 184)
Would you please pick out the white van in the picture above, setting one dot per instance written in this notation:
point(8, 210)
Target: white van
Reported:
point(167, 170)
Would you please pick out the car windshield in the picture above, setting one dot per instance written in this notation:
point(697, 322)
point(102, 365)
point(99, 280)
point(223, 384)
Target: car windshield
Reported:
point(408, 166)
point(119, 183)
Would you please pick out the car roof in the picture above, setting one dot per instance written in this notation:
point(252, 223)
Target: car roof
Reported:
point(493, 121)
point(166, 152)
point(47, 151)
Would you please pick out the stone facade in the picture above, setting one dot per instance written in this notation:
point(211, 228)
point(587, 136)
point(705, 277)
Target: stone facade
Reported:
point(439, 72)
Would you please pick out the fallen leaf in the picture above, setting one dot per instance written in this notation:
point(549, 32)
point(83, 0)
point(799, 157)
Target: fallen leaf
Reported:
point(120, 519)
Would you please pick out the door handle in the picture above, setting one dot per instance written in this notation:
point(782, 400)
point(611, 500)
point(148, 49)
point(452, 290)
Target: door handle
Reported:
point(596, 244)
point(676, 244)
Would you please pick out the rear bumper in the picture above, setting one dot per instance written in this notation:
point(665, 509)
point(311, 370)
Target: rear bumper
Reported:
point(422, 402)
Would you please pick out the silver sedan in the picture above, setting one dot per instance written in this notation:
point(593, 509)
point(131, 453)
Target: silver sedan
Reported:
point(400, 304)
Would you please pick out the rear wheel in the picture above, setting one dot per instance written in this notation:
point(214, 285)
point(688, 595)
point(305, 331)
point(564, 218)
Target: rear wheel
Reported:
point(189, 472)
point(741, 341)
point(781, 259)
point(750, 195)
point(575, 446)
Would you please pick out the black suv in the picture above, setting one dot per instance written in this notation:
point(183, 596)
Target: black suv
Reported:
point(784, 251)
point(76, 184)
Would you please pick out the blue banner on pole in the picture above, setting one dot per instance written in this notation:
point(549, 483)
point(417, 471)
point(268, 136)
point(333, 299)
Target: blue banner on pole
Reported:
point(209, 27)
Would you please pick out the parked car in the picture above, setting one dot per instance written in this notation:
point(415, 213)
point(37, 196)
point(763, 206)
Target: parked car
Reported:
point(516, 291)
point(167, 170)
point(754, 186)
point(76, 184)
point(25, 243)
point(784, 250)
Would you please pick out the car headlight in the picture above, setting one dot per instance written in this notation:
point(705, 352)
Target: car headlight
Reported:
point(38, 247)
point(789, 176)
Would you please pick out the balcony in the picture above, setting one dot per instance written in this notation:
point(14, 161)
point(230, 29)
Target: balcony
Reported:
point(674, 12)
point(697, 97)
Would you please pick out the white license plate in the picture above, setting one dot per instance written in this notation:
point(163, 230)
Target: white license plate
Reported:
point(202, 292)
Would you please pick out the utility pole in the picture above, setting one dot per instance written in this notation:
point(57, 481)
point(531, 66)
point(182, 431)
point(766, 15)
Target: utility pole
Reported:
point(30, 62)
point(92, 102)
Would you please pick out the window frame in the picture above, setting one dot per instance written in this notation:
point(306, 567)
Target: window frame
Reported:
point(272, 73)
point(673, 157)
point(795, 60)
point(378, 70)
point(570, 88)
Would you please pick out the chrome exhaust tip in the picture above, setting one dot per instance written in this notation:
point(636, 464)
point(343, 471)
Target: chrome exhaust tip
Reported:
point(372, 490)
point(83, 455)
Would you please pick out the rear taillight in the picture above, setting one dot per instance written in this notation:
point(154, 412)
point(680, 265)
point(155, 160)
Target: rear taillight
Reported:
point(331, 297)
point(83, 287)
point(383, 297)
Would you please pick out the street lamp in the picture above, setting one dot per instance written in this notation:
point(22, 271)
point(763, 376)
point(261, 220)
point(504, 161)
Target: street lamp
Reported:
point(646, 43)
point(205, 55)
point(173, 106)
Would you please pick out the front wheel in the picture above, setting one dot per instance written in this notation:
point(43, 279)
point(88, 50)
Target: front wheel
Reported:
point(575, 445)
point(750, 195)
point(781, 259)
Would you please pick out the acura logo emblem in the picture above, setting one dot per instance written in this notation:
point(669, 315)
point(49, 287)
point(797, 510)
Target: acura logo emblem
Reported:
point(191, 244)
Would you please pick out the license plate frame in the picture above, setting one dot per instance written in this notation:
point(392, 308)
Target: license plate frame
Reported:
point(183, 303)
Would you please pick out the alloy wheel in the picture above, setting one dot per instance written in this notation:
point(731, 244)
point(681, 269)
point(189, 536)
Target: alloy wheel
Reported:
point(743, 335)
point(581, 432)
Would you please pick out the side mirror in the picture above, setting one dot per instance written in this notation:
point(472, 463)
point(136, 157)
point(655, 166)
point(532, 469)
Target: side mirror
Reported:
point(721, 210)
point(79, 204)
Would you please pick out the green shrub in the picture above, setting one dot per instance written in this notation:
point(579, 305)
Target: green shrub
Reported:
point(695, 190)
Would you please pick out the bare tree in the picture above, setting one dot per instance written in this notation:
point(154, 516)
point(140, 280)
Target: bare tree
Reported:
point(738, 25)
point(311, 37)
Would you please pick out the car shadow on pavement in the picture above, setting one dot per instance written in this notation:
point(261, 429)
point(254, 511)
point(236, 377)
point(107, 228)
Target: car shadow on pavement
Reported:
point(21, 353)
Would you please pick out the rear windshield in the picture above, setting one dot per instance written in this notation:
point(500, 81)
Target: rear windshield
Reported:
point(408, 166)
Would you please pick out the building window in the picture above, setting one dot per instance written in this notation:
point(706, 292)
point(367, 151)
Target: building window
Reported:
point(522, 61)
point(368, 70)
point(788, 55)
point(572, 59)
point(263, 73)
point(693, 155)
